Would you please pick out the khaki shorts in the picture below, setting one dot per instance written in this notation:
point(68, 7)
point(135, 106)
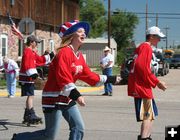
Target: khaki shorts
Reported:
point(146, 109)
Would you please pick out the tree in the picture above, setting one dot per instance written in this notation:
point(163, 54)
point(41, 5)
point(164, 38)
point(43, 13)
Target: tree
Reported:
point(122, 30)
point(122, 24)
point(93, 11)
point(178, 46)
point(122, 27)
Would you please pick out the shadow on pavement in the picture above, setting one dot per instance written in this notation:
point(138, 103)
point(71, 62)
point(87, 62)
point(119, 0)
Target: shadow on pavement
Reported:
point(4, 123)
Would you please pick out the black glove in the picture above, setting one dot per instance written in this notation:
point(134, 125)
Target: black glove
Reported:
point(74, 94)
point(51, 55)
point(34, 76)
point(112, 79)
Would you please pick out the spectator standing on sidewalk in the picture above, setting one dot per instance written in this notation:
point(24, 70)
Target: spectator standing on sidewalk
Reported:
point(11, 71)
point(28, 74)
point(60, 93)
point(106, 65)
point(141, 81)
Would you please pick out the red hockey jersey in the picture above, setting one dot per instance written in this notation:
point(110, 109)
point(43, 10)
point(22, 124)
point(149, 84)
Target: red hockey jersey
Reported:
point(30, 61)
point(65, 69)
point(141, 79)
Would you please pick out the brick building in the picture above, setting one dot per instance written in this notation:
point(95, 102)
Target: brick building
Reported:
point(38, 17)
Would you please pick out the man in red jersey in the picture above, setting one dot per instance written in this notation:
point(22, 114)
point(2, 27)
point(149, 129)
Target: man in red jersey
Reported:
point(141, 81)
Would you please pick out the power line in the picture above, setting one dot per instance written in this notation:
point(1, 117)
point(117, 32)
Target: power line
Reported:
point(162, 17)
point(143, 13)
point(138, 13)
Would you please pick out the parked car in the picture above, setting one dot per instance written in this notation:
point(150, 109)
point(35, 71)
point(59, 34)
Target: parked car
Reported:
point(163, 64)
point(175, 61)
point(125, 66)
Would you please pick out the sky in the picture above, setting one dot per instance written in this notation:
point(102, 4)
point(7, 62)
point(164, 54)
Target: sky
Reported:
point(164, 20)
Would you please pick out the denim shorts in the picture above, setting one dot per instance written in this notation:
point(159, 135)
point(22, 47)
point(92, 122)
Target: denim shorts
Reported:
point(27, 89)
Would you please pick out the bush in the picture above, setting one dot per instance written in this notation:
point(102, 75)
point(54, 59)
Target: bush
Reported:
point(120, 56)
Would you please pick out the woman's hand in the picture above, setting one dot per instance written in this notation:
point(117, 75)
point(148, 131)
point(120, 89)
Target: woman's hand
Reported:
point(81, 101)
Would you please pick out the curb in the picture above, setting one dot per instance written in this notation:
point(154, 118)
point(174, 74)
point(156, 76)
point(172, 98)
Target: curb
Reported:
point(83, 90)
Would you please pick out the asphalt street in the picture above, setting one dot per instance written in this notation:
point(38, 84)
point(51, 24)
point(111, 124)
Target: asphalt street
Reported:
point(105, 117)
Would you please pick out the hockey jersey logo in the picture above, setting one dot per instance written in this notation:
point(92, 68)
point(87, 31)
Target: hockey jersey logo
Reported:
point(77, 68)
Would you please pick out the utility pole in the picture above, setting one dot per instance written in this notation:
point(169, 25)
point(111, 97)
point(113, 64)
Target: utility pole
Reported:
point(146, 18)
point(157, 19)
point(166, 28)
point(109, 23)
point(156, 24)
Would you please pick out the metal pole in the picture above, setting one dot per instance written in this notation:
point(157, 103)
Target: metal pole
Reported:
point(157, 19)
point(166, 28)
point(109, 23)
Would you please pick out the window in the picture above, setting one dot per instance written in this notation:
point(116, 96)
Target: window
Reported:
point(3, 44)
point(41, 47)
point(51, 45)
point(20, 48)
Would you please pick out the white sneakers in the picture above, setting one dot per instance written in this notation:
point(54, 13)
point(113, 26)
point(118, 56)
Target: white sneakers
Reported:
point(11, 96)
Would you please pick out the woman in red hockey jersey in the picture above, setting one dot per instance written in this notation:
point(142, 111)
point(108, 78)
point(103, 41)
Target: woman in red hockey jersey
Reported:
point(60, 94)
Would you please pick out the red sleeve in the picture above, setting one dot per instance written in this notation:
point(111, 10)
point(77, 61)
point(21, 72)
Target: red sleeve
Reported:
point(40, 60)
point(88, 76)
point(143, 66)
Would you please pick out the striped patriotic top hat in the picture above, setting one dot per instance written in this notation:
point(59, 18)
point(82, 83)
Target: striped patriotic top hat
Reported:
point(70, 27)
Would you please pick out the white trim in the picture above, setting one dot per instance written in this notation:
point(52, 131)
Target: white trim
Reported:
point(103, 79)
point(24, 74)
point(65, 27)
point(65, 92)
point(24, 81)
point(67, 89)
point(48, 59)
point(153, 109)
point(51, 94)
point(61, 103)
point(140, 112)
point(32, 71)
point(49, 106)
point(76, 54)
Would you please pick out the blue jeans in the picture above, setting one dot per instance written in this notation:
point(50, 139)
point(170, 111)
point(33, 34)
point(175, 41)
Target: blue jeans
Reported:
point(11, 83)
point(52, 121)
point(107, 86)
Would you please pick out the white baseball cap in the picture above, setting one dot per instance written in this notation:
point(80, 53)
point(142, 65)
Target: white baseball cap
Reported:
point(155, 31)
point(106, 49)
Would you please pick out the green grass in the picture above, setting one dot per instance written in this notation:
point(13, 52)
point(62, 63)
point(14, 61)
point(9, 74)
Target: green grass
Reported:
point(116, 70)
point(2, 83)
point(97, 69)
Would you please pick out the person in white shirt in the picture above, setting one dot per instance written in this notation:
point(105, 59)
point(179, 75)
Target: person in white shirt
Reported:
point(12, 71)
point(106, 65)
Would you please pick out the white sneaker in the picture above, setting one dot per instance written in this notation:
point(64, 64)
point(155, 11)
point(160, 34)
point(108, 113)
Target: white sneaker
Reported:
point(11, 96)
